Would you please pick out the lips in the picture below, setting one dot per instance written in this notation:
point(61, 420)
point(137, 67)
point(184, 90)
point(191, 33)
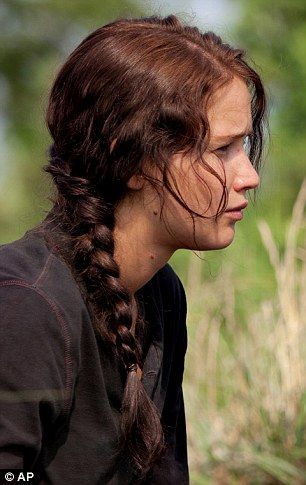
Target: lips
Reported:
point(238, 207)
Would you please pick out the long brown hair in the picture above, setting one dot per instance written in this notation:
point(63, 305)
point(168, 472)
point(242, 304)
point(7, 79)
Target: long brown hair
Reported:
point(145, 83)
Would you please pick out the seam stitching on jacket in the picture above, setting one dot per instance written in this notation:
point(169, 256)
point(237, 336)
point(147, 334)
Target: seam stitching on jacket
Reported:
point(44, 270)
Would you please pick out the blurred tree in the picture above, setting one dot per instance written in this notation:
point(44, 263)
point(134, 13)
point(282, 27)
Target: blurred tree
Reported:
point(35, 37)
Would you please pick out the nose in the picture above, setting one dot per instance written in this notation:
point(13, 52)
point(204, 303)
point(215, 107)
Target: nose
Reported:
point(246, 177)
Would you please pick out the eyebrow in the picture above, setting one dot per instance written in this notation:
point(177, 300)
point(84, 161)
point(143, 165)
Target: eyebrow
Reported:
point(234, 136)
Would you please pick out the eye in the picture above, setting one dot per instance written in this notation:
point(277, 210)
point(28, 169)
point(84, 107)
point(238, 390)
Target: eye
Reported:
point(223, 149)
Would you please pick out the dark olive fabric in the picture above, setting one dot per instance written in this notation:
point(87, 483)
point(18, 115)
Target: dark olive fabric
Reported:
point(61, 391)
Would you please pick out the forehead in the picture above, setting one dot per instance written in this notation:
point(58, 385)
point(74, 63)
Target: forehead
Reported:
point(229, 110)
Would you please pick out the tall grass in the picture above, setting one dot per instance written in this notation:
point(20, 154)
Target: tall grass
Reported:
point(245, 382)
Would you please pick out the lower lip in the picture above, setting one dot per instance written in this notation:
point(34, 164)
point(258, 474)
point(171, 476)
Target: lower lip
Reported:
point(237, 215)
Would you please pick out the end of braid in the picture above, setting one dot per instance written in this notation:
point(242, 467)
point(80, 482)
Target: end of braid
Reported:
point(151, 442)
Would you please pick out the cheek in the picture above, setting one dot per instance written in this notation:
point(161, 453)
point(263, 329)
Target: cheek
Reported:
point(198, 188)
point(205, 188)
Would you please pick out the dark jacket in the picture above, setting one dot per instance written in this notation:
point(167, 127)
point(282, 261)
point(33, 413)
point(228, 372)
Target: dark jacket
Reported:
point(60, 392)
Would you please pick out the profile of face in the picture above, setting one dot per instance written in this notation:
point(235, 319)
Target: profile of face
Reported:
point(230, 121)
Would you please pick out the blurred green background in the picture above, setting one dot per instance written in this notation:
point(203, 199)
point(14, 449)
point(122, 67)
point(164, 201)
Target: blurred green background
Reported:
point(245, 399)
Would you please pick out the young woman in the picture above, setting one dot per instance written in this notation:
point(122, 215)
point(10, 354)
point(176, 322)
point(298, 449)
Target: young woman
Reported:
point(157, 135)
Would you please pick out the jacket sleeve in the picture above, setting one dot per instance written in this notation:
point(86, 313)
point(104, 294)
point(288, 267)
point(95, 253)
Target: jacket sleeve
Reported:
point(33, 373)
point(173, 467)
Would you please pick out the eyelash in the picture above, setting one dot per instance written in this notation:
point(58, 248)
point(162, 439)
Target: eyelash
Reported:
point(224, 148)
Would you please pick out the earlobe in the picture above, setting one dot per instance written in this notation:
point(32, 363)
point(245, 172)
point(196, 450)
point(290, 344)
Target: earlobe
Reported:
point(136, 182)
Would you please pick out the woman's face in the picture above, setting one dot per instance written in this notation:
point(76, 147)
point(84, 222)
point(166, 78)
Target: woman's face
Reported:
point(230, 121)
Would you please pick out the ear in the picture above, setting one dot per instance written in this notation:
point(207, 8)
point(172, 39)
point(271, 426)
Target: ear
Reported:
point(136, 182)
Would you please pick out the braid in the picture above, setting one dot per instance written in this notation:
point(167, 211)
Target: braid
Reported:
point(88, 221)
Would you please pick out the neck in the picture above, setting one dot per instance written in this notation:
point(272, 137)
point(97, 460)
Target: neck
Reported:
point(137, 249)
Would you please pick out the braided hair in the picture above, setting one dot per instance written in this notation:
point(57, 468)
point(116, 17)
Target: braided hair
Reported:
point(84, 226)
point(131, 94)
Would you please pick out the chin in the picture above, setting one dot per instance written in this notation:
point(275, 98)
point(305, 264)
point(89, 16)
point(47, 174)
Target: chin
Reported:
point(214, 243)
point(215, 247)
point(224, 244)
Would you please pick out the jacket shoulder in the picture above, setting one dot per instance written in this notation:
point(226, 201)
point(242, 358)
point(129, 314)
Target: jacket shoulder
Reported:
point(28, 264)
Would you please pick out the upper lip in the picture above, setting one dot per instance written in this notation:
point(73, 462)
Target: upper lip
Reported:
point(238, 207)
